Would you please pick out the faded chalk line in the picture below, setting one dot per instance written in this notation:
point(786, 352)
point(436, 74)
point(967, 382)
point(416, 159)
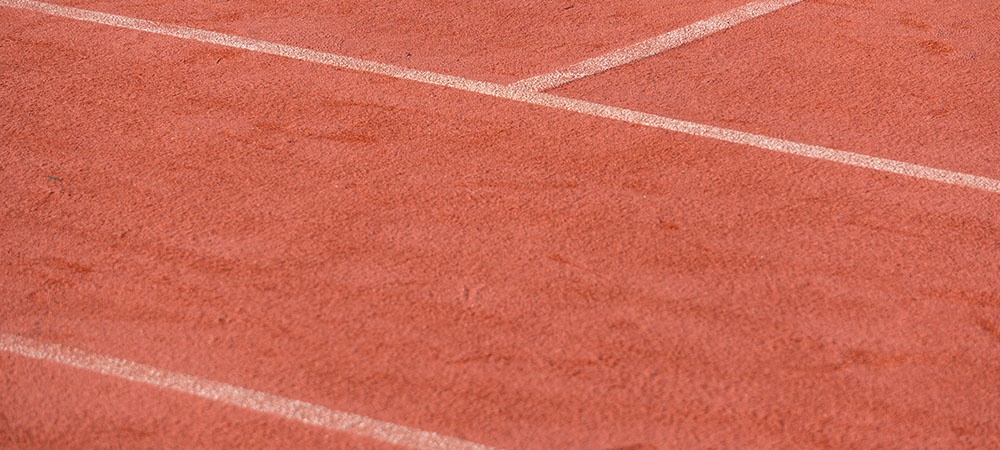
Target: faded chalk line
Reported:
point(653, 46)
point(287, 408)
point(521, 95)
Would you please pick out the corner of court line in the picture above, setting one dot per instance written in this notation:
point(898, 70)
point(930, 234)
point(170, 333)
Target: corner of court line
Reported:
point(914, 90)
point(590, 108)
point(653, 46)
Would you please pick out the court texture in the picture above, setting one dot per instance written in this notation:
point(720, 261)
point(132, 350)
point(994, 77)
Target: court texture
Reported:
point(517, 224)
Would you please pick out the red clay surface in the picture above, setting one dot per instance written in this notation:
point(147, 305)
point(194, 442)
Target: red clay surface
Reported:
point(497, 40)
point(909, 80)
point(511, 275)
point(59, 407)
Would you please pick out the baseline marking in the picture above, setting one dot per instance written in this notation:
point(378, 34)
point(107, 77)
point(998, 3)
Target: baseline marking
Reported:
point(652, 46)
point(520, 95)
point(287, 408)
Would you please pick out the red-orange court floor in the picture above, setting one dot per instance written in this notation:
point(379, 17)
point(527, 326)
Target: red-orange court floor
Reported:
point(508, 274)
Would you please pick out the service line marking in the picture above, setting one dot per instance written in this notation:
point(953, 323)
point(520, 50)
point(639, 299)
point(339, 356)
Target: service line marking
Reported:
point(520, 95)
point(295, 410)
point(653, 46)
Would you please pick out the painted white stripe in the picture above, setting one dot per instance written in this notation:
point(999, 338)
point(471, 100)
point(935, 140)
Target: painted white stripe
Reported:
point(254, 45)
point(521, 95)
point(653, 46)
point(763, 142)
point(287, 408)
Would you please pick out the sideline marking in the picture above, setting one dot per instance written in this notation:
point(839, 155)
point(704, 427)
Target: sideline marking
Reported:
point(652, 46)
point(520, 95)
point(287, 408)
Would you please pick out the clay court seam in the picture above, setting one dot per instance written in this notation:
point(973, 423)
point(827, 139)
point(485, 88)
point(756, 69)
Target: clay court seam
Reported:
point(512, 93)
point(295, 410)
point(653, 46)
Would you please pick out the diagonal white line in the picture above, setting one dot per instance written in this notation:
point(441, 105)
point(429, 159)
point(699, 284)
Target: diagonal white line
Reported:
point(244, 43)
point(520, 95)
point(295, 410)
point(652, 46)
point(759, 141)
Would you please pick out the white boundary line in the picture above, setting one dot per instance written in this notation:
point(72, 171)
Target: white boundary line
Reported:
point(295, 410)
point(652, 46)
point(521, 95)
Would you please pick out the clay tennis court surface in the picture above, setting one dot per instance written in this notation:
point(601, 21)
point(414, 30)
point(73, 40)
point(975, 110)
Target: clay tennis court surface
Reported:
point(783, 232)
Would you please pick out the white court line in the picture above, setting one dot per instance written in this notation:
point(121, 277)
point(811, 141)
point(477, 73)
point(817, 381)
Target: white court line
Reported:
point(521, 95)
point(287, 408)
point(653, 46)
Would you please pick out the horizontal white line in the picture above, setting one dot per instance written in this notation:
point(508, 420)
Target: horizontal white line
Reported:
point(653, 46)
point(521, 95)
point(287, 408)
